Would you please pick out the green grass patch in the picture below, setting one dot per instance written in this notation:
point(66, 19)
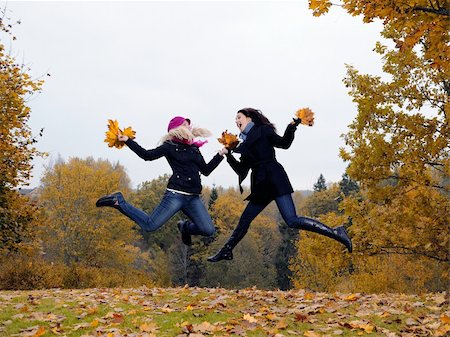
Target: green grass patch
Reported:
point(170, 312)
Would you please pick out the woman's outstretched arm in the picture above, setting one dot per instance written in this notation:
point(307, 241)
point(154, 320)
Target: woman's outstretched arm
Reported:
point(152, 154)
point(286, 140)
point(207, 168)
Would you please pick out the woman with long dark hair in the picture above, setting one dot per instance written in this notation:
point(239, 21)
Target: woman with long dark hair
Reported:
point(181, 150)
point(269, 180)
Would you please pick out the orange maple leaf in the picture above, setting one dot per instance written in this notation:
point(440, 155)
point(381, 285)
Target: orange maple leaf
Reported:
point(114, 131)
point(229, 140)
point(306, 115)
point(39, 332)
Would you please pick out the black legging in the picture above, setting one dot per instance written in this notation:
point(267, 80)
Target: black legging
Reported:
point(287, 209)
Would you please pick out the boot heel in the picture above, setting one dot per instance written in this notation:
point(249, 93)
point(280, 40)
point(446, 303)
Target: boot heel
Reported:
point(185, 236)
point(225, 253)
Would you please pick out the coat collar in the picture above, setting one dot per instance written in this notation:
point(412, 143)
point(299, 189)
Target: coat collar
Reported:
point(253, 135)
point(247, 129)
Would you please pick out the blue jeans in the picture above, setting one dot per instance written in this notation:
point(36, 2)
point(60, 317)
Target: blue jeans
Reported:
point(191, 205)
point(286, 207)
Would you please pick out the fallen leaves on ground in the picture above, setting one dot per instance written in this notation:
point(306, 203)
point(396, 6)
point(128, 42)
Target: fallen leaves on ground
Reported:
point(197, 312)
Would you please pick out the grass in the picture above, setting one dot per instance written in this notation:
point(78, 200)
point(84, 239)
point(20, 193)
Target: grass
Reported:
point(218, 312)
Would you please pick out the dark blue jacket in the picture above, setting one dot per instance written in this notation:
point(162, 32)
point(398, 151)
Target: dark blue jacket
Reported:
point(268, 179)
point(185, 160)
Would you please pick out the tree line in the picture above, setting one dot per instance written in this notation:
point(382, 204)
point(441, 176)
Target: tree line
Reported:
point(71, 243)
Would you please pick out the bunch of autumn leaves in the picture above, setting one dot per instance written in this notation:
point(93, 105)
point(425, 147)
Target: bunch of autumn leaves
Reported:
point(229, 140)
point(113, 133)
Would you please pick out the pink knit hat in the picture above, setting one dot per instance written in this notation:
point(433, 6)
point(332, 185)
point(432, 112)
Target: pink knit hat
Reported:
point(176, 122)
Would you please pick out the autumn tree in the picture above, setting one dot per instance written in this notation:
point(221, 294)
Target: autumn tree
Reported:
point(321, 202)
point(176, 264)
point(254, 256)
point(17, 146)
point(348, 186)
point(147, 196)
point(319, 263)
point(76, 231)
point(286, 249)
point(398, 145)
point(320, 185)
point(213, 196)
point(169, 255)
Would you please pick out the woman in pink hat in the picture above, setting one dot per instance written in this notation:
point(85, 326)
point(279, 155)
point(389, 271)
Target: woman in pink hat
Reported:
point(182, 152)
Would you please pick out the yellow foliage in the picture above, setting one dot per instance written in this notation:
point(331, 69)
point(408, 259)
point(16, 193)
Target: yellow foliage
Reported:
point(76, 230)
point(408, 23)
point(227, 210)
point(23, 272)
point(17, 148)
point(306, 116)
point(229, 140)
point(398, 145)
point(319, 7)
point(114, 131)
point(322, 265)
point(254, 254)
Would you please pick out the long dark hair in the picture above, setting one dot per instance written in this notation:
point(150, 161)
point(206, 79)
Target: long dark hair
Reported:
point(257, 117)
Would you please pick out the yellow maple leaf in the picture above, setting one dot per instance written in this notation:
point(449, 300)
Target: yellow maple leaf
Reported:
point(129, 132)
point(271, 317)
point(319, 7)
point(367, 328)
point(249, 318)
point(229, 140)
point(282, 324)
point(205, 328)
point(114, 131)
point(310, 296)
point(148, 327)
point(92, 310)
point(352, 298)
point(306, 116)
point(443, 330)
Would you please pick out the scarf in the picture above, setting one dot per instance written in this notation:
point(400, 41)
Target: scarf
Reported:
point(244, 133)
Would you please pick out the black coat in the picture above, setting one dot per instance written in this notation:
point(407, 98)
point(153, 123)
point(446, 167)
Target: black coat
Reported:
point(268, 179)
point(185, 160)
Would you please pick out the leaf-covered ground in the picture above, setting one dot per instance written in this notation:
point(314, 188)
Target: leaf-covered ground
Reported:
point(197, 312)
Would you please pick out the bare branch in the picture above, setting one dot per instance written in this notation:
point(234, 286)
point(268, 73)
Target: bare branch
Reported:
point(440, 11)
point(408, 251)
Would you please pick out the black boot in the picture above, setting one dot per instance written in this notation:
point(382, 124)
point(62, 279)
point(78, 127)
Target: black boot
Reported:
point(339, 233)
point(225, 253)
point(111, 200)
point(184, 230)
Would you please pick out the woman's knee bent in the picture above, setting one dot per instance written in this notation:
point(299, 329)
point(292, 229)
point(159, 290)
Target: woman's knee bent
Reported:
point(292, 222)
point(210, 231)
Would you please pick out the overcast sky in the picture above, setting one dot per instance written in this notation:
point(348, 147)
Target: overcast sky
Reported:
point(144, 62)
